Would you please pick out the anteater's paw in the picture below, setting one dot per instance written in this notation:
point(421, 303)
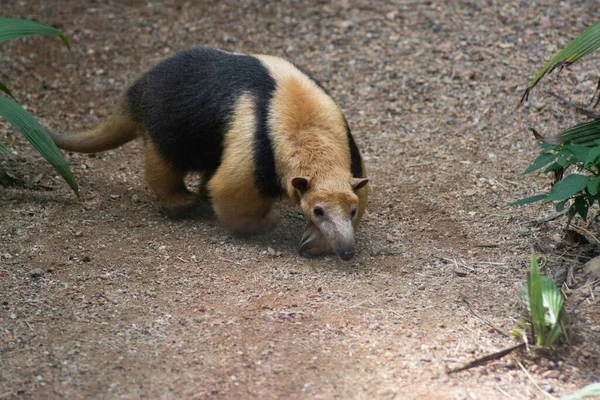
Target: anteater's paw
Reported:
point(313, 243)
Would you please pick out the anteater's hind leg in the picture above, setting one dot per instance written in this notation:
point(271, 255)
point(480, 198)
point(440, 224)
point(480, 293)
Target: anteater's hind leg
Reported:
point(167, 182)
point(238, 205)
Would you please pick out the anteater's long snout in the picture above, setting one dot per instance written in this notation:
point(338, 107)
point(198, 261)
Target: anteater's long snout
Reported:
point(328, 238)
point(344, 246)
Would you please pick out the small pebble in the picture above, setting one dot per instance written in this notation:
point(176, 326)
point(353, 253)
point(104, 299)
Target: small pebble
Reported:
point(460, 272)
point(271, 251)
point(553, 373)
point(36, 273)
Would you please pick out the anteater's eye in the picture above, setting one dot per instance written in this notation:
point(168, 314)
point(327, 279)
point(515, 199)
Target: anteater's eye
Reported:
point(318, 211)
point(353, 213)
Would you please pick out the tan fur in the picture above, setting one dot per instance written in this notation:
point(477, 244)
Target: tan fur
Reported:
point(167, 182)
point(310, 141)
point(306, 118)
point(114, 132)
point(232, 189)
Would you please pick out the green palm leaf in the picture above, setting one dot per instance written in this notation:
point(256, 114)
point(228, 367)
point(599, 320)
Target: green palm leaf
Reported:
point(536, 305)
point(544, 303)
point(584, 134)
point(22, 120)
point(11, 28)
point(585, 43)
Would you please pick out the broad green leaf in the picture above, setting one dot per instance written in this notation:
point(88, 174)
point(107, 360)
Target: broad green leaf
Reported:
point(590, 199)
point(560, 206)
point(536, 304)
point(5, 90)
point(587, 391)
point(546, 146)
point(584, 134)
point(580, 152)
point(541, 161)
point(527, 200)
point(11, 28)
point(23, 121)
point(568, 187)
point(585, 43)
point(581, 206)
point(562, 159)
point(592, 185)
point(592, 155)
point(553, 167)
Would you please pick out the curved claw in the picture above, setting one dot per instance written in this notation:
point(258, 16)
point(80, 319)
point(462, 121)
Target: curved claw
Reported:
point(314, 243)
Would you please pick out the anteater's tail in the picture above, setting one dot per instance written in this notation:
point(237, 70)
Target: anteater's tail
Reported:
point(119, 129)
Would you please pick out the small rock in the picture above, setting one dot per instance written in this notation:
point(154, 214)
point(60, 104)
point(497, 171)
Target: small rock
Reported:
point(470, 192)
point(271, 251)
point(114, 196)
point(422, 287)
point(585, 353)
point(548, 388)
point(460, 272)
point(36, 273)
point(86, 259)
point(553, 373)
point(592, 267)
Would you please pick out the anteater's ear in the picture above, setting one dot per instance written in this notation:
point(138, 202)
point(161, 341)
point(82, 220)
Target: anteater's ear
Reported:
point(301, 184)
point(357, 183)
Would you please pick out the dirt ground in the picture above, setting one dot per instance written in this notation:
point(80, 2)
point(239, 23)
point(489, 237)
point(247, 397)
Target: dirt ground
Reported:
point(132, 304)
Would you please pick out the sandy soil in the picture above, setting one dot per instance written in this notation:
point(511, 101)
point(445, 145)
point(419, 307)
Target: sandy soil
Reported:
point(132, 304)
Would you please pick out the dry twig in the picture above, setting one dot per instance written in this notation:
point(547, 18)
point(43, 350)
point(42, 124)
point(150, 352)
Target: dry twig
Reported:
point(484, 360)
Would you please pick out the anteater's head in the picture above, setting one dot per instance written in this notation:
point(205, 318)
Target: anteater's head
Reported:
point(333, 210)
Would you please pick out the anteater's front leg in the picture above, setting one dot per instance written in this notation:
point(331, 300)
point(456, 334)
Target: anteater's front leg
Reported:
point(238, 205)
